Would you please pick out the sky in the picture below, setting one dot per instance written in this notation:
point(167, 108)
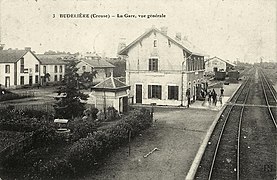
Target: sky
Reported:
point(243, 30)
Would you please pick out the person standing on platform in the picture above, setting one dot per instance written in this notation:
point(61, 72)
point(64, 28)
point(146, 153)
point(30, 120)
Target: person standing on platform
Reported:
point(209, 97)
point(188, 96)
point(221, 91)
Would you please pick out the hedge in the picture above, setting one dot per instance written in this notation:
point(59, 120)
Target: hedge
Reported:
point(88, 151)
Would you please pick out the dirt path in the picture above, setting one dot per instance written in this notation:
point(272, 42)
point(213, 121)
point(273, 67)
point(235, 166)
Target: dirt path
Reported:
point(177, 133)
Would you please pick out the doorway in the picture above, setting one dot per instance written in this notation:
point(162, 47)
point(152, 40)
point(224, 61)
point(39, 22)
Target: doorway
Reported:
point(7, 82)
point(30, 80)
point(138, 93)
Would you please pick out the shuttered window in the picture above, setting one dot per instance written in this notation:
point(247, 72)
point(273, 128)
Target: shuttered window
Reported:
point(153, 64)
point(173, 92)
point(154, 91)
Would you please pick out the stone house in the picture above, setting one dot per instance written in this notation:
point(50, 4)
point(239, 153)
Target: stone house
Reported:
point(161, 69)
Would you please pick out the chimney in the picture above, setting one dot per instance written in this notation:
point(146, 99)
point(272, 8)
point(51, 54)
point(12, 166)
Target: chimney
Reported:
point(2, 46)
point(164, 30)
point(178, 36)
point(28, 48)
point(121, 44)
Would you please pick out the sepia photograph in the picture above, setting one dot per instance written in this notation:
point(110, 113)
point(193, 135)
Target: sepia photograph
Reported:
point(138, 89)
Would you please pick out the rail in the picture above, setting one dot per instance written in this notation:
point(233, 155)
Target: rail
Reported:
point(266, 97)
point(223, 128)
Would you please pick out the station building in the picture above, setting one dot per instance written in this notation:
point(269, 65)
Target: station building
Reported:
point(215, 64)
point(161, 69)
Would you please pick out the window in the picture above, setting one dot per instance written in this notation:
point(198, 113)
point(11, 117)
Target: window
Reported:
point(7, 81)
point(61, 69)
point(155, 43)
point(44, 69)
point(107, 73)
point(173, 92)
point(7, 69)
point(61, 77)
point(153, 64)
point(21, 80)
point(154, 91)
point(22, 65)
point(55, 78)
point(84, 68)
point(36, 68)
point(56, 69)
point(36, 79)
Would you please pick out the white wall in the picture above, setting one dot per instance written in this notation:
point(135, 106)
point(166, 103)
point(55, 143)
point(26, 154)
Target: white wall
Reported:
point(29, 63)
point(170, 59)
point(3, 75)
point(51, 70)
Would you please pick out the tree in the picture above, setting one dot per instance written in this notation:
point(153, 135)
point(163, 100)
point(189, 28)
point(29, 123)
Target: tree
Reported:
point(69, 103)
point(87, 78)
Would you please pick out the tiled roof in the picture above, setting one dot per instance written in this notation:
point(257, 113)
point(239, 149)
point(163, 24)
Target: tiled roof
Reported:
point(11, 56)
point(187, 46)
point(111, 83)
point(98, 63)
point(51, 59)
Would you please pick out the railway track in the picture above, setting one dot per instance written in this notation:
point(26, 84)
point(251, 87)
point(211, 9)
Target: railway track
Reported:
point(223, 157)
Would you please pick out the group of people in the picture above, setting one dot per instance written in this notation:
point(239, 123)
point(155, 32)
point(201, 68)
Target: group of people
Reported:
point(212, 96)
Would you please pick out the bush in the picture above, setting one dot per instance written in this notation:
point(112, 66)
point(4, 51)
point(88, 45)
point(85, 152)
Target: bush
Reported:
point(46, 136)
point(81, 129)
point(57, 167)
point(88, 151)
point(23, 120)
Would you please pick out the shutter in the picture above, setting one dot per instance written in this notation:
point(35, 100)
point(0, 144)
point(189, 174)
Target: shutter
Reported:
point(159, 92)
point(176, 92)
point(149, 91)
point(169, 93)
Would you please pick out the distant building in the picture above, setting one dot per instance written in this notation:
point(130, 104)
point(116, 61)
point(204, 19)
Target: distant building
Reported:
point(217, 64)
point(95, 63)
point(52, 68)
point(161, 69)
point(19, 68)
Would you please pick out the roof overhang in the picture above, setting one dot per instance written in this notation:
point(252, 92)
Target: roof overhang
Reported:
point(111, 89)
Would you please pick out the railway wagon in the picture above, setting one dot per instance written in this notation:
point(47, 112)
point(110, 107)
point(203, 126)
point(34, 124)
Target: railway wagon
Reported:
point(233, 75)
point(220, 75)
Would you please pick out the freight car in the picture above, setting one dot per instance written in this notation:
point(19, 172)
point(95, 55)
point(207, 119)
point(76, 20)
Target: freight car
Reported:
point(220, 75)
point(233, 76)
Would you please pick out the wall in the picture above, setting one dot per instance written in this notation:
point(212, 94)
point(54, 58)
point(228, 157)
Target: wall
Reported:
point(170, 61)
point(3, 75)
point(102, 73)
point(215, 62)
point(29, 63)
point(51, 70)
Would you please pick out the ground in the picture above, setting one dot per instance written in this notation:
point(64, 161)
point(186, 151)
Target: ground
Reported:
point(177, 133)
point(272, 74)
